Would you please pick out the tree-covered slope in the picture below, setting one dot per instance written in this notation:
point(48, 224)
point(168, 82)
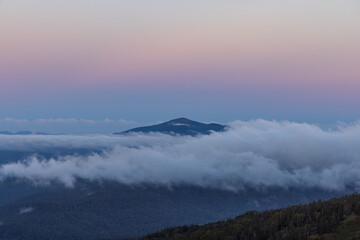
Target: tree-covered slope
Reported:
point(333, 219)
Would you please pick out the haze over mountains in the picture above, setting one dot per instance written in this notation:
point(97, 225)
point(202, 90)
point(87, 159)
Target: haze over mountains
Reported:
point(128, 185)
point(257, 153)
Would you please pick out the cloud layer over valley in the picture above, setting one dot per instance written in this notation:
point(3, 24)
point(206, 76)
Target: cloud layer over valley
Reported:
point(250, 154)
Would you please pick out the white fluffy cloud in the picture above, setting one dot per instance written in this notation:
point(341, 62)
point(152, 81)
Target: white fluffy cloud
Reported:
point(257, 154)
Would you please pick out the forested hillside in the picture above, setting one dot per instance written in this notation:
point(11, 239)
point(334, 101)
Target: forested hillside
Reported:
point(333, 219)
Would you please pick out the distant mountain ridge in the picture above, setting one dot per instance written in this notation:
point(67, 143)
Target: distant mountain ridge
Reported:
point(179, 126)
point(22, 133)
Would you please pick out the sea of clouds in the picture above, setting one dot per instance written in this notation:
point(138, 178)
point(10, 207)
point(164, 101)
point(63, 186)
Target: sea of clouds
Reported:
point(256, 153)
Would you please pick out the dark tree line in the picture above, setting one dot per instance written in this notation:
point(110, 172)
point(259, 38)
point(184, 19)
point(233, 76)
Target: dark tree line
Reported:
point(312, 221)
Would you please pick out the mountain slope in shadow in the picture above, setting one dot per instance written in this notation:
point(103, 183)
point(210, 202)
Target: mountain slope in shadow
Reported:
point(179, 126)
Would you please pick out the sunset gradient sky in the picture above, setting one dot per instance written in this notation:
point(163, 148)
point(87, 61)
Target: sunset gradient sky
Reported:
point(148, 61)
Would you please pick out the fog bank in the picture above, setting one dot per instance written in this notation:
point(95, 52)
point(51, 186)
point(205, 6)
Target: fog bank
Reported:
point(250, 154)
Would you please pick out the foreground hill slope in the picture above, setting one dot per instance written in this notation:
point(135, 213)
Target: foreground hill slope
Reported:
point(180, 126)
point(333, 219)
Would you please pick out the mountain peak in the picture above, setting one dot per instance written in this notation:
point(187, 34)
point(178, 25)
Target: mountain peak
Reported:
point(181, 120)
point(179, 126)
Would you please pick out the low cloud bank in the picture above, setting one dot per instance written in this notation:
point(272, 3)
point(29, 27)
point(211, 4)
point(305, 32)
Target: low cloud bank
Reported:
point(250, 154)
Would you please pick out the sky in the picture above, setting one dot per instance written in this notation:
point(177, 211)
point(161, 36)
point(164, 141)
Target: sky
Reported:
point(91, 66)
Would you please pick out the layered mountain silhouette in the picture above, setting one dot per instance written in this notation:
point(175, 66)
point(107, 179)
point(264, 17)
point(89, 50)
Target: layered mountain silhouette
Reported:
point(179, 126)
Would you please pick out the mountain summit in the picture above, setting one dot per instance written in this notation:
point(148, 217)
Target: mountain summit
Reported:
point(180, 126)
